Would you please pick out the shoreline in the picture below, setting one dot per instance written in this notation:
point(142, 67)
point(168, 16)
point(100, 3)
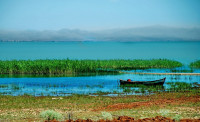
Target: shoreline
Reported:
point(156, 73)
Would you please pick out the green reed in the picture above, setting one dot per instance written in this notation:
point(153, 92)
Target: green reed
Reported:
point(182, 87)
point(171, 87)
point(195, 64)
point(68, 66)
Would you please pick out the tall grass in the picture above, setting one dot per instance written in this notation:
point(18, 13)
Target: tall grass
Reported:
point(195, 64)
point(78, 66)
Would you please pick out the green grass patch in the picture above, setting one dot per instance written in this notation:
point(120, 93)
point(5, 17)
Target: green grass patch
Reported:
point(195, 64)
point(26, 108)
point(172, 87)
point(71, 102)
point(48, 67)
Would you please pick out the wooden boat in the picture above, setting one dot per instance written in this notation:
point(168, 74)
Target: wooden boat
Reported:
point(154, 82)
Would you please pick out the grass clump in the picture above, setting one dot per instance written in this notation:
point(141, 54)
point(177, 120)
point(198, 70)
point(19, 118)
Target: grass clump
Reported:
point(180, 87)
point(51, 115)
point(177, 117)
point(48, 67)
point(106, 115)
point(164, 112)
point(195, 64)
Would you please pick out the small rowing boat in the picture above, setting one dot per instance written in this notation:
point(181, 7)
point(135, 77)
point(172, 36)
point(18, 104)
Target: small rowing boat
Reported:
point(154, 82)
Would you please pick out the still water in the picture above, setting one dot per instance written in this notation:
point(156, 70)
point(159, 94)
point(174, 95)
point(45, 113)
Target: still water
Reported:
point(64, 86)
point(185, 52)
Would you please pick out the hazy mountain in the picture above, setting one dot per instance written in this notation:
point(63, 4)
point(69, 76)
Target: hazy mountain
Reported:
point(152, 33)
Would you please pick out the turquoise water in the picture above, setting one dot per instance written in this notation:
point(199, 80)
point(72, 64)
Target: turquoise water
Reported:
point(64, 86)
point(185, 52)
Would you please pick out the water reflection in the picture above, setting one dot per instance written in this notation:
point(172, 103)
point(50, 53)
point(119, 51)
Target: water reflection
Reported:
point(92, 85)
point(184, 69)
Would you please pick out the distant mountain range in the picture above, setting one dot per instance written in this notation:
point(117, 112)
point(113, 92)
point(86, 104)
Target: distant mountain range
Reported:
point(151, 33)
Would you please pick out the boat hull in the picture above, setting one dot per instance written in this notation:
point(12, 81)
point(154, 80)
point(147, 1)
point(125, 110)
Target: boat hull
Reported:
point(155, 82)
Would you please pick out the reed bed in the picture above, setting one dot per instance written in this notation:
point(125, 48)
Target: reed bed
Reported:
point(195, 64)
point(68, 66)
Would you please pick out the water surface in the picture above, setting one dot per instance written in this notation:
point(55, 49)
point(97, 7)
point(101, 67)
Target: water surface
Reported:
point(185, 52)
point(64, 86)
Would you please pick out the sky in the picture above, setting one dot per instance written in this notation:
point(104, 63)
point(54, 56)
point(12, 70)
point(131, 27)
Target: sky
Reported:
point(40, 15)
point(104, 20)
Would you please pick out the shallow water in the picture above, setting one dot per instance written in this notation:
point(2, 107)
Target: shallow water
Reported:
point(184, 69)
point(64, 86)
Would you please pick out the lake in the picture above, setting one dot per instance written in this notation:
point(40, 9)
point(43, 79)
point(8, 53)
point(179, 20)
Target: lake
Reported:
point(185, 52)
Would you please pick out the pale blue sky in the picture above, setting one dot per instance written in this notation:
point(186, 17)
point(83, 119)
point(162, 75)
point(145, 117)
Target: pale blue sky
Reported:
point(97, 14)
